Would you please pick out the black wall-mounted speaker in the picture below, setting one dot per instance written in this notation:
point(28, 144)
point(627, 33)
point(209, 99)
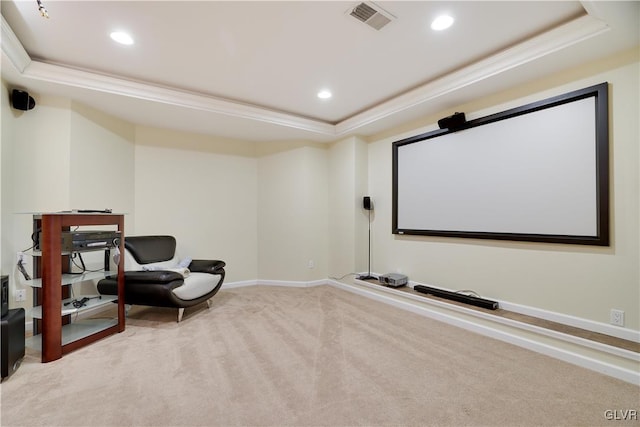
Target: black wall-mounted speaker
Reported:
point(367, 203)
point(20, 100)
point(452, 122)
point(4, 294)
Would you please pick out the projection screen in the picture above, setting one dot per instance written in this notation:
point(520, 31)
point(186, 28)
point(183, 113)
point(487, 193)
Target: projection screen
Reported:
point(539, 172)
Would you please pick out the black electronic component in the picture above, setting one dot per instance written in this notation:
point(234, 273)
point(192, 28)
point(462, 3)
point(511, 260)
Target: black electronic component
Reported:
point(94, 211)
point(452, 122)
point(4, 294)
point(77, 303)
point(12, 341)
point(21, 100)
point(456, 296)
point(89, 240)
point(366, 203)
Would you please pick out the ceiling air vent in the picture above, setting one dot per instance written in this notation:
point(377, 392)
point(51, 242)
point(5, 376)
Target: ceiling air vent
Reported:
point(372, 15)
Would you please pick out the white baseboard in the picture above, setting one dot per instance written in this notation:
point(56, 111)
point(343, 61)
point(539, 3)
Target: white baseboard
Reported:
point(285, 283)
point(292, 284)
point(241, 284)
point(612, 361)
point(564, 319)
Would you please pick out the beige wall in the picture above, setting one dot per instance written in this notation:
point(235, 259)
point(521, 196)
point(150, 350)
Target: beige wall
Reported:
point(348, 244)
point(292, 213)
point(259, 207)
point(585, 282)
point(58, 156)
point(40, 157)
point(202, 190)
point(102, 162)
point(268, 209)
point(35, 176)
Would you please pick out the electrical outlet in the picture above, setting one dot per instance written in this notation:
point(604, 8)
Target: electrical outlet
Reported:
point(20, 257)
point(311, 264)
point(616, 317)
point(21, 295)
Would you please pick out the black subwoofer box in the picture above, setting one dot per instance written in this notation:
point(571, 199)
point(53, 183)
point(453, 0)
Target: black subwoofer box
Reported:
point(4, 294)
point(12, 340)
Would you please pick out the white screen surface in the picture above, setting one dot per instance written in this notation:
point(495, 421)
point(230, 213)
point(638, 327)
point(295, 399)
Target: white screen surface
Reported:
point(530, 174)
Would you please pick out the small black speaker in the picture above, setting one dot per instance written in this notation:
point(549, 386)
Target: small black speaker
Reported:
point(21, 100)
point(4, 294)
point(452, 122)
point(367, 203)
point(12, 341)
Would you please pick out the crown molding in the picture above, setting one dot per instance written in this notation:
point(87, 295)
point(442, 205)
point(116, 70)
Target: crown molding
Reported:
point(117, 86)
point(573, 32)
point(559, 38)
point(12, 47)
point(68, 76)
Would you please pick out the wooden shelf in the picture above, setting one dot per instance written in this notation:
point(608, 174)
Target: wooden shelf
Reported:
point(59, 333)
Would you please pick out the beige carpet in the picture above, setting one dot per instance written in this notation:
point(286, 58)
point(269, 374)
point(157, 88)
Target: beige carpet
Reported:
point(272, 356)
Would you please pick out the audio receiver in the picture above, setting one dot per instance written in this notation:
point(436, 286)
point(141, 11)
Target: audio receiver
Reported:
point(86, 240)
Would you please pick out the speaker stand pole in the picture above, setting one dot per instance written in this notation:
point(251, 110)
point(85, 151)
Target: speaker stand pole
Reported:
point(368, 276)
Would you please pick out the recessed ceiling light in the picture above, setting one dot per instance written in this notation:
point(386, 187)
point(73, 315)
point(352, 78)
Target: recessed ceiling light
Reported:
point(122, 37)
point(442, 22)
point(324, 94)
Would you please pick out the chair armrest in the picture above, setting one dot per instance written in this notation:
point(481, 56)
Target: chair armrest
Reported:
point(152, 276)
point(207, 266)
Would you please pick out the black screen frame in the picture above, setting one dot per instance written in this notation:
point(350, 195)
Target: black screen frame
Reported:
point(602, 236)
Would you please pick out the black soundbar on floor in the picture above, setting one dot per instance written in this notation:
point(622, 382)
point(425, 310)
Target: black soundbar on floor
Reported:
point(456, 296)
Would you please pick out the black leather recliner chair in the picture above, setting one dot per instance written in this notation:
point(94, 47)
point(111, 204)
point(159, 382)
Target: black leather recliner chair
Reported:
point(155, 276)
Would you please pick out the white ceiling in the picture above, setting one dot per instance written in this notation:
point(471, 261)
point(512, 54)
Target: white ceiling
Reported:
point(251, 70)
